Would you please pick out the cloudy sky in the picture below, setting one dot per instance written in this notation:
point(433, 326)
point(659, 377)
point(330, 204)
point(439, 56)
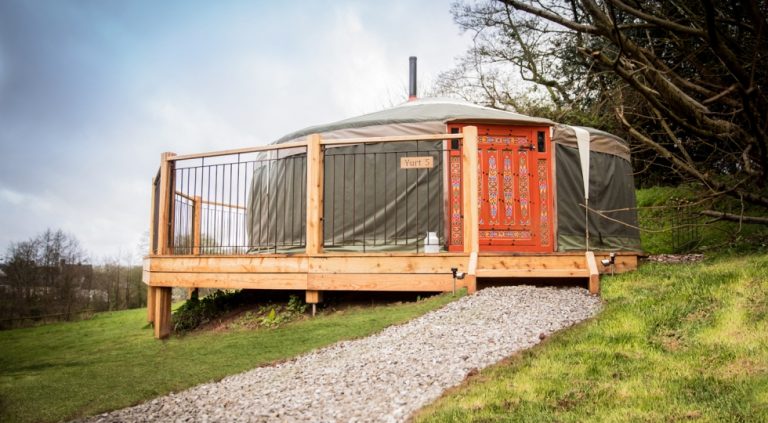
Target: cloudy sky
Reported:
point(92, 91)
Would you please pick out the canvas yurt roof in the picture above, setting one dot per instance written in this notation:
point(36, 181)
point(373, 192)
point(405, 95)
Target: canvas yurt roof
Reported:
point(424, 116)
point(599, 141)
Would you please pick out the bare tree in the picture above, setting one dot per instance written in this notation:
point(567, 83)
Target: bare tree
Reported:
point(684, 79)
point(46, 274)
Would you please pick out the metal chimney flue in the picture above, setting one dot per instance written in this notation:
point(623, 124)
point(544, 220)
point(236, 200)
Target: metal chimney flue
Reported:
point(412, 78)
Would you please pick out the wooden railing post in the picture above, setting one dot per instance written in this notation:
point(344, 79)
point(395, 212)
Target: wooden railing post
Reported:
point(470, 201)
point(159, 298)
point(470, 182)
point(314, 243)
point(197, 218)
point(165, 206)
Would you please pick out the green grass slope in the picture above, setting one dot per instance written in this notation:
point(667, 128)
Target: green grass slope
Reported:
point(67, 370)
point(669, 216)
point(674, 343)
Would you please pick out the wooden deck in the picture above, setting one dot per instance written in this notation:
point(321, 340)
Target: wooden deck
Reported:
point(315, 274)
point(369, 271)
point(315, 271)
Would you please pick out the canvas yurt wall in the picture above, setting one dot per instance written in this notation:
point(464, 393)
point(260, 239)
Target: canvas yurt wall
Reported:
point(370, 204)
point(613, 214)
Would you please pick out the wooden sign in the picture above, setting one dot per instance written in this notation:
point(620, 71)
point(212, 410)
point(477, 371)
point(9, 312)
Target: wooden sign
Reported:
point(427, 162)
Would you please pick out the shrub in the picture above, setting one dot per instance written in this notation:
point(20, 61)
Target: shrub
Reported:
point(196, 312)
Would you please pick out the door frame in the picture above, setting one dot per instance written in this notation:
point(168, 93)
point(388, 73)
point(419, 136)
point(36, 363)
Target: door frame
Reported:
point(542, 224)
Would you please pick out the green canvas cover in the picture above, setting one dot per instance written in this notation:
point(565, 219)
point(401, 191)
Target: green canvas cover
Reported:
point(398, 205)
point(611, 191)
point(368, 198)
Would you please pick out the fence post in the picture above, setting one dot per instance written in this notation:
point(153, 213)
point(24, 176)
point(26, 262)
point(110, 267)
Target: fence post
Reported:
point(161, 298)
point(165, 209)
point(470, 198)
point(314, 225)
point(314, 243)
point(197, 213)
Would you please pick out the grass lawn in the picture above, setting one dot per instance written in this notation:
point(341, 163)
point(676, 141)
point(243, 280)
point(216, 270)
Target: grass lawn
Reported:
point(68, 370)
point(674, 343)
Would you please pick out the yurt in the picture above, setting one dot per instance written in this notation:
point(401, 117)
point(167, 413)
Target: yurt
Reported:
point(532, 173)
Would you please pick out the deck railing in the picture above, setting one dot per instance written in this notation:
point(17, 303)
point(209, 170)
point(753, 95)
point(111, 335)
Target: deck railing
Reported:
point(309, 196)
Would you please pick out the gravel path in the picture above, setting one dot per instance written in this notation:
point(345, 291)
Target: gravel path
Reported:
point(387, 376)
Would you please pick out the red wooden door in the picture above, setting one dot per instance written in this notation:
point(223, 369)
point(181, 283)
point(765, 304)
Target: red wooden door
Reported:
point(515, 190)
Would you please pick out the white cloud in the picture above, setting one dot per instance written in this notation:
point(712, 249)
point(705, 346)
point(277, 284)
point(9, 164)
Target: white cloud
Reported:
point(29, 202)
point(239, 82)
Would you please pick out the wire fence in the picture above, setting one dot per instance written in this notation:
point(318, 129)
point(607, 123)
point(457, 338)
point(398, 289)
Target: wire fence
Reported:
point(238, 204)
point(376, 197)
point(383, 197)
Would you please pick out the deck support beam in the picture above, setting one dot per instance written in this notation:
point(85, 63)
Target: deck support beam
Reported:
point(314, 297)
point(163, 312)
point(151, 298)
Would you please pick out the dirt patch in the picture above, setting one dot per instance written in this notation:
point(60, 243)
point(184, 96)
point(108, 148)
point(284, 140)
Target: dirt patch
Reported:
point(671, 341)
point(744, 367)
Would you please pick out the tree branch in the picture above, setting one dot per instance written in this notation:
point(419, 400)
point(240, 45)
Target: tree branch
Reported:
point(551, 17)
point(735, 217)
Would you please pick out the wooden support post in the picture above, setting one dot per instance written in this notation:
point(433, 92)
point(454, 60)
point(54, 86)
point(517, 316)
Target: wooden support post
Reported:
point(314, 242)
point(197, 213)
point(165, 206)
point(470, 198)
point(470, 182)
point(314, 297)
point(151, 298)
point(193, 293)
point(471, 275)
point(163, 312)
point(594, 274)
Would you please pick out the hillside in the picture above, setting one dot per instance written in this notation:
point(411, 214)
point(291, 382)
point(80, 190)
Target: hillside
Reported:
point(674, 342)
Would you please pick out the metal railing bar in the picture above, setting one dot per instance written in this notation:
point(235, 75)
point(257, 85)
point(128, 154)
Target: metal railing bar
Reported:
point(298, 144)
point(257, 149)
point(396, 138)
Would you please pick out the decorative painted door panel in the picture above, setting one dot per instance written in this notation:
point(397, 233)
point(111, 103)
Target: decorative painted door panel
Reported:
point(515, 190)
